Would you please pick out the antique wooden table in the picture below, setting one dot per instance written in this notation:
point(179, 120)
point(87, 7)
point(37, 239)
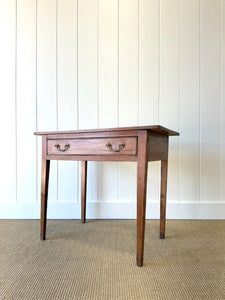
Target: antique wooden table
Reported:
point(141, 144)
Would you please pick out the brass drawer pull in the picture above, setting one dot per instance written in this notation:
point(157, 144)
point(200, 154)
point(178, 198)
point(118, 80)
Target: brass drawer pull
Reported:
point(66, 147)
point(109, 146)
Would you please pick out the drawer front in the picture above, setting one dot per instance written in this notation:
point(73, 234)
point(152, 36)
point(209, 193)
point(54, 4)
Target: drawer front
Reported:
point(93, 146)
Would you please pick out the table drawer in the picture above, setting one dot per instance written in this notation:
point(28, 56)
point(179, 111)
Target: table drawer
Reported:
point(93, 146)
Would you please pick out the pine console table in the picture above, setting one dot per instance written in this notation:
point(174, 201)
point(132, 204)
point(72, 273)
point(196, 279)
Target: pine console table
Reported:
point(141, 144)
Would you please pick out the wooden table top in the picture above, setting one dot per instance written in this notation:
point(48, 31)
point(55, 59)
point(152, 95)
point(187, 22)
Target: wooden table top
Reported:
point(151, 128)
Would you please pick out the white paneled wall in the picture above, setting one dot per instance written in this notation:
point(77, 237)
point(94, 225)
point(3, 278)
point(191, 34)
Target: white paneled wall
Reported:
point(189, 144)
point(8, 99)
point(79, 64)
point(108, 105)
point(210, 100)
point(222, 114)
point(67, 93)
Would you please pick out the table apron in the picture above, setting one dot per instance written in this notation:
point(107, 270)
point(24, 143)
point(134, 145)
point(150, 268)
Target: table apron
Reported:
point(92, 157)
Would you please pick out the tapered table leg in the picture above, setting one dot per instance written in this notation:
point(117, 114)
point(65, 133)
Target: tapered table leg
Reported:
point(44, 195)
point(142, 166)
point(83, 190)
point(164, 167)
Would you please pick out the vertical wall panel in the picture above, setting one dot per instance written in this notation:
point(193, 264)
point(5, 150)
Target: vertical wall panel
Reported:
point(7, 100)
point(169, 86)
point(149, 81)
point(87, 80)
point(26, 100)
point(46, 82)
point(149, 62)
point(87, 64)
point(108, 90)
point(128, 87)
point(128, 62)
point(189, 101)
point(210, 101)
point(108, 63)
point(67, 93)
point(222, 165)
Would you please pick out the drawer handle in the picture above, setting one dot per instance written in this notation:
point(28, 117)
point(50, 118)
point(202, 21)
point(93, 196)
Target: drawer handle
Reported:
point(109, 146)
point(66, 147)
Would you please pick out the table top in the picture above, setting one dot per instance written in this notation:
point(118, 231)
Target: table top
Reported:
point(151, 128)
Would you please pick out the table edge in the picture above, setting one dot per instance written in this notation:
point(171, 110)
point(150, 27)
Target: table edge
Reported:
point(151, 128)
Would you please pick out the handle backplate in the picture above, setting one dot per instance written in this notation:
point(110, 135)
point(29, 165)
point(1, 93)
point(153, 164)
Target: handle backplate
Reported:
point(109, 146)
point(66, 147)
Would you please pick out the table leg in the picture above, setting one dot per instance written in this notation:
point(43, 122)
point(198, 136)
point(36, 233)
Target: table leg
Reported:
point(83, 190)
point(141, 208)
point(44, 195)
point(164, 167)
point(142, 168)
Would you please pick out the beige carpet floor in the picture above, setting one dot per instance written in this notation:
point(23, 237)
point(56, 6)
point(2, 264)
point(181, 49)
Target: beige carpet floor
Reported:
point(97, 260)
